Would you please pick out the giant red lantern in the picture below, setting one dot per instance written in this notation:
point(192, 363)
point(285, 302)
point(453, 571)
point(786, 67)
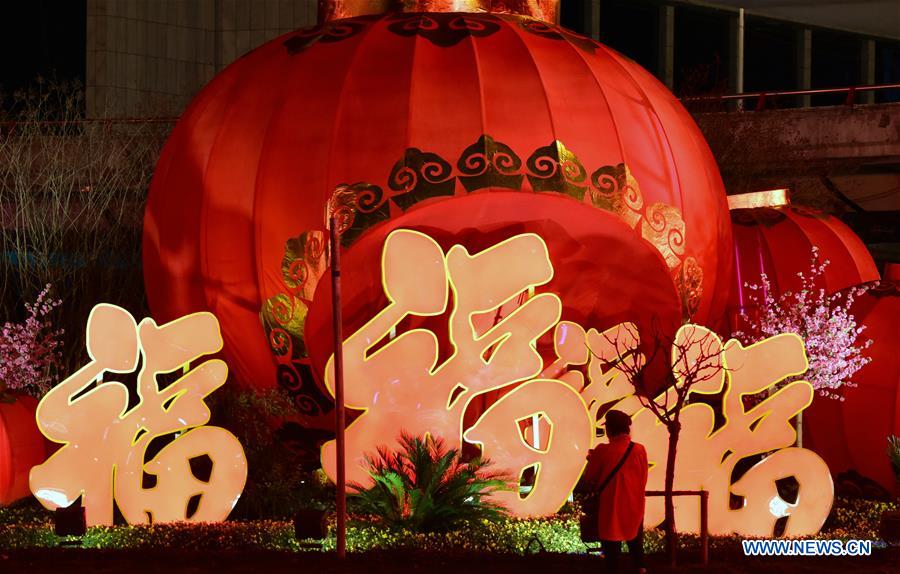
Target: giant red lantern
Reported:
point(21, 447)
point(772, 236)
point(407, 109)
point(852, 435)
point(871, 410)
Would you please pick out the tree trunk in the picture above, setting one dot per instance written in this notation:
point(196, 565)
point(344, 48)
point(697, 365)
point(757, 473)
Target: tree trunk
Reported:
point(671, 534)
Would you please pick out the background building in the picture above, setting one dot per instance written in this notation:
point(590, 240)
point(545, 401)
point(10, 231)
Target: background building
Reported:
point(151, 56)
point(148, 58)
point(697, 47)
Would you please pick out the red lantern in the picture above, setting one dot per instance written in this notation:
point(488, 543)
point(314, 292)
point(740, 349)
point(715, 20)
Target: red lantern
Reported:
point(892, 273)
point(588, 249)
point(852, 435)
point(21, 447)
point(778, 239)
point(871, 410)
point(399, 111)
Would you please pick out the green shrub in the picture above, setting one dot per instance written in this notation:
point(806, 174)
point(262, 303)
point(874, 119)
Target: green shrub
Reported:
point(893, 453)
point(427, 488)
point(282, 478)
point(27, 527)
point(855, 519)
point(504, 536)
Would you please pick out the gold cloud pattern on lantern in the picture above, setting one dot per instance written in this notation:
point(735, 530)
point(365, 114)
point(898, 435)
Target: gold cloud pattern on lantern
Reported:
point(421, 175)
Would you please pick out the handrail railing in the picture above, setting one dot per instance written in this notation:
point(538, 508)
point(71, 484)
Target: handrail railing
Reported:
point(81, 121)
point(704, 516)
point(762, 98)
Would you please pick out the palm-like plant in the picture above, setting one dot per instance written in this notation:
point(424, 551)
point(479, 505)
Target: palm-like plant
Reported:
point(893, 453)
point(425, 487)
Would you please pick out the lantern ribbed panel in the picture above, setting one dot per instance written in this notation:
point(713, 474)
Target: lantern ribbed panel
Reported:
point(260, 150)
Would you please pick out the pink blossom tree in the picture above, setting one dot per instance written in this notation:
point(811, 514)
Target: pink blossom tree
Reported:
point(30, 351)
point(829, 329)
point(823, 321)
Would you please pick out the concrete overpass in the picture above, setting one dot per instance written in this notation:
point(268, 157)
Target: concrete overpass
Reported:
point(845, 159)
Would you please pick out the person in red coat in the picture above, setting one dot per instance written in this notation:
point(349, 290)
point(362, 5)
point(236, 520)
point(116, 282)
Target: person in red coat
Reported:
point(619, 468)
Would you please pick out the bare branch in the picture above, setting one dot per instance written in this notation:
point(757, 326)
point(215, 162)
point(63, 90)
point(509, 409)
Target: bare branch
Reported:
point(71, 206)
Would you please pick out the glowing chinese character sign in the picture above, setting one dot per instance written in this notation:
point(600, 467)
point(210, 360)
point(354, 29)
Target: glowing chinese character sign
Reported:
point(545, 418)
point(105, 437)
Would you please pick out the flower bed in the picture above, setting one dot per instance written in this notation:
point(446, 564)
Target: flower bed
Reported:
point(26, 527)
point(22, 531)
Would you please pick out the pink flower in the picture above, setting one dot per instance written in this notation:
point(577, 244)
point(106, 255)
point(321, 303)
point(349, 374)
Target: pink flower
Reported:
point(823, 321)
point(31, 351)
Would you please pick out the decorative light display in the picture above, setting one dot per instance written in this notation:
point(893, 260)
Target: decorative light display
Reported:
point(518, 230)
point(408, 105)
point(495, 315)
point(105, 434)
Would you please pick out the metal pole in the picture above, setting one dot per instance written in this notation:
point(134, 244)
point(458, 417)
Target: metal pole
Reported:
point(666, 60)
point(739, 80)
point(591, 15)
point(867, 73)
point(704, 527)
point(736, 68)
point(339, 425)
point(804, 64)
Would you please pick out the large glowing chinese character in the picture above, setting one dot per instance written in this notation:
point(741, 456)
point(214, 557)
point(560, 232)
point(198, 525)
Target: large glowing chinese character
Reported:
point(105, 442)
point(557, 461)
point(545, 417)
point(400, 386)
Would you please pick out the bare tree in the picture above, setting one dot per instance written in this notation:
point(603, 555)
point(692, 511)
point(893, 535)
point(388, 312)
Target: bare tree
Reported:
point(664, 388)
point(72, 193)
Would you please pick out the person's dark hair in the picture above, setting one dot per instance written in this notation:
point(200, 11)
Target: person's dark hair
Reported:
point(617, 423)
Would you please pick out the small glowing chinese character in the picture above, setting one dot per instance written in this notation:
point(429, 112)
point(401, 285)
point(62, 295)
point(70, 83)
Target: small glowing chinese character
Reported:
point(708, 454)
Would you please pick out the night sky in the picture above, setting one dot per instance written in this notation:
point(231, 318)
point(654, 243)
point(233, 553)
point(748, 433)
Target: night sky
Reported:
point(41, 37)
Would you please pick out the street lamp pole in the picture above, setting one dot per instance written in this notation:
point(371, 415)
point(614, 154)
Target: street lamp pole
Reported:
point(339, 414)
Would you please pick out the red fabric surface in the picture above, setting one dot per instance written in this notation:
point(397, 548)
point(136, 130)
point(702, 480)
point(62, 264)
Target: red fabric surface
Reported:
point(621, 510)
point(603, 273)
point(21, 447)
point(853, 434)
point(260, 150)
point(779, 242)
point(892, 272)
